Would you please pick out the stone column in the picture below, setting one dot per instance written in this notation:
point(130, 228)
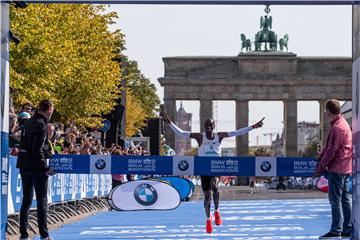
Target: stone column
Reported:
point(242, 120)
point(324, 122)
point(170, 109)
point(290, 127)
point(206, 111)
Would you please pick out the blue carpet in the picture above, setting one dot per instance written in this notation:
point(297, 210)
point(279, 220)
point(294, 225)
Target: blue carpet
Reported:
point(257, 219)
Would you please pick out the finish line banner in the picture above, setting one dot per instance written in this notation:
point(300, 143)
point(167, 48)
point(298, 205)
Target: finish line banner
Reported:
point(184, 165)
point(204, 2)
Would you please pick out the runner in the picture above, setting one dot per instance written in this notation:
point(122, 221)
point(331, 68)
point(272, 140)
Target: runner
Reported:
point(209, 145)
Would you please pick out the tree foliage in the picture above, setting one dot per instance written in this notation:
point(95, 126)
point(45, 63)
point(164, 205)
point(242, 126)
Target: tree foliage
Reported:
point(311, 149)
point(135, 114)
point(142, 89)
point(66, 54)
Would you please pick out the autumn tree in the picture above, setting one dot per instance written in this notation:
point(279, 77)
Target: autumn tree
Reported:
point(142, 89)
point(135, 114)
point(66, 54)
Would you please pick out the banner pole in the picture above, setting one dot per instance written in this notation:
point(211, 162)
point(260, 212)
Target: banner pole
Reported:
point(4, 115)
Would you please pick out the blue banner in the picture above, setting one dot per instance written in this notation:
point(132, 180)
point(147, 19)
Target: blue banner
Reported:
point(225, 166)
point(184, 166)
point(144, 165)
point(71, 163)
point(62, 186)
point(4, 180)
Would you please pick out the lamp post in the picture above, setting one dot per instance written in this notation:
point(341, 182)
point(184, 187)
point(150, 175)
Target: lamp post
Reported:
point(123, 62)
point(123, 98)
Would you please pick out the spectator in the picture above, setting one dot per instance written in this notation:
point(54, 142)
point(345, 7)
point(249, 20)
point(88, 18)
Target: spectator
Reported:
point(117, 179)
point(26, 107)
point(33, 167)
point(11, 101)
point(281, 184)
point(22, 118)
point(252, 186)
point(335, 160)
point(14, 138)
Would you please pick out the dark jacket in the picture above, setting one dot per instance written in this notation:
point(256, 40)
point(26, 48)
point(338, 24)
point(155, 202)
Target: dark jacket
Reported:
point(34, 147)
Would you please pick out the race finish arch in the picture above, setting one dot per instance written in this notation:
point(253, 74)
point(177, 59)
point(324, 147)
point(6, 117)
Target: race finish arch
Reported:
point(4, 84)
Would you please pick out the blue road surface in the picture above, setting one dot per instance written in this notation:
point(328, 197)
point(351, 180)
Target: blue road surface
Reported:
point(254, 219)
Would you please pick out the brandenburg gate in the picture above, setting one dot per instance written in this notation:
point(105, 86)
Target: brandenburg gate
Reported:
point(260, 75)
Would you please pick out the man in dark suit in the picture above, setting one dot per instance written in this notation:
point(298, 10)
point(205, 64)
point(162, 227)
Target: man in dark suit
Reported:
point(34, 170)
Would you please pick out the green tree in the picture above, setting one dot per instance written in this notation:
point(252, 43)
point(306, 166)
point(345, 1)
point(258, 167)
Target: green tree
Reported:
point(142, 89)
point(311, 149)
point(66, 54)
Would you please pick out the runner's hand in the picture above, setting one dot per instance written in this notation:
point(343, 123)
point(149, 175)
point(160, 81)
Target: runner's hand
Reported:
point(259, 124)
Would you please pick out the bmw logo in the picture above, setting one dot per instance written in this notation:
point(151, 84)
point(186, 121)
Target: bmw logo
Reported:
point(265, 166)
point(183, 165)
point(145, 194)
point(100, 164)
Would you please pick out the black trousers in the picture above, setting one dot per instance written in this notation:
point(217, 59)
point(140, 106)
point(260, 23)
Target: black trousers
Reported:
point(115, 183)
point(39, 182)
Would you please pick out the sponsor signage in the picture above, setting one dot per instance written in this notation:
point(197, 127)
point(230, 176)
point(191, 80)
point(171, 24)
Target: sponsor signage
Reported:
point(184, 166)
point(62, 186)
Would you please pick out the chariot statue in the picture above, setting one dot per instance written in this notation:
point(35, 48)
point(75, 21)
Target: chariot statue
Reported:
point(265, 39)
point(265, 35)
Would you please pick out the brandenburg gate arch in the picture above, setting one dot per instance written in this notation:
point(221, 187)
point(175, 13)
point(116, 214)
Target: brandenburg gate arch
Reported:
point(256, 76)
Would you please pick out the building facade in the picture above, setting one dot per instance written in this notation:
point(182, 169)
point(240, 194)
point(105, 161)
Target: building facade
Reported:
point(183, 120)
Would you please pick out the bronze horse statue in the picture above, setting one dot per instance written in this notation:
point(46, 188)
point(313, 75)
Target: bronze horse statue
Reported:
point(245, 43)
point(283, 42)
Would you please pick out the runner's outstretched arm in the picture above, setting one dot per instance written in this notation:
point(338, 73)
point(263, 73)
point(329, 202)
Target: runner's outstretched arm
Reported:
point(241, 131)
point(179, 131)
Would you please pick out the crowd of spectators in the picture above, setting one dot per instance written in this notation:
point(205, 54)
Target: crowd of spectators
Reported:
point(66, 139)
point(69, 140)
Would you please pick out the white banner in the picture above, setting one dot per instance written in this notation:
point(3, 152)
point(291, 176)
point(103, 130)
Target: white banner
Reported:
point(183, 165)
point(265, 166)
point(144, 195)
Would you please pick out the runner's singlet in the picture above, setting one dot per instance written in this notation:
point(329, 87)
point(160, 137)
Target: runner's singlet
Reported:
point(210, 147)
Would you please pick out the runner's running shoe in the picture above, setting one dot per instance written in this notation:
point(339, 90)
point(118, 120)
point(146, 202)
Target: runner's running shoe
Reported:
point(209, 226)
point(218, 220)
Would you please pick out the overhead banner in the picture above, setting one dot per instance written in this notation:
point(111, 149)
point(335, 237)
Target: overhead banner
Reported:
point(217, 2)
point(184, 166)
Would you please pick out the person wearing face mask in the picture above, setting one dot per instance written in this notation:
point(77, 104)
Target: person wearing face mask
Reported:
point(34, 170)
point(209, 145)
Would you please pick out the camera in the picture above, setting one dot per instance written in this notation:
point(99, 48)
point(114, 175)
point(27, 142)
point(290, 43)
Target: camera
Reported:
point(59, 134)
